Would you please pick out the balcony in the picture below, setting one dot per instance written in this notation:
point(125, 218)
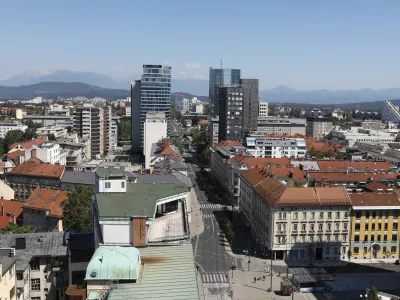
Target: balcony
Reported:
point(21, 282)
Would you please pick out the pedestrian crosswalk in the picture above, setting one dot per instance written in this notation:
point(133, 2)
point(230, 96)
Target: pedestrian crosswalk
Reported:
point(213, 206)
point(208, 216)
point(215, 277)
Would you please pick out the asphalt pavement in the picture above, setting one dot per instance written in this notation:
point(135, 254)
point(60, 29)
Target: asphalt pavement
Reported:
point(211, 258)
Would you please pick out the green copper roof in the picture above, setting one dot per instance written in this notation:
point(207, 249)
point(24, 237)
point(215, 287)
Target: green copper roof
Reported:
point(139, 200)
point(106, 173)
point(114, 263)
point(168, 273)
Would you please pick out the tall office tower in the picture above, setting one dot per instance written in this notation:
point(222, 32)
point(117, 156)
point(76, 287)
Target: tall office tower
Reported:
point(150, 94)
point(250, 105)
point(230, 113)
point(89, 122)
point(220, 77)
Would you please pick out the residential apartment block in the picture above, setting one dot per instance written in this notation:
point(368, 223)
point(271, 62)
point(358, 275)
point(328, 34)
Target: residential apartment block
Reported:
point(8, 289)
point(94, 123)
point(262, 108)
point(275, 147)
point(296, 224)
point(49, 153)
point(213, 129)
point(41, 265)
point(375, 225)
point(155, 129)
point(26, 177)
point(318, 127)
point(6, 127)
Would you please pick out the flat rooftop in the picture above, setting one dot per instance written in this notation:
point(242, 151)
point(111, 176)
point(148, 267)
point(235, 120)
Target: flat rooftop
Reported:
point(139, 200)
point(168, 272)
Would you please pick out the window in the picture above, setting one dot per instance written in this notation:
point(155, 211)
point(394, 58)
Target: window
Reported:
point(294, 227)
point(379, 226)
point(379, 237)
point(357, 227)
point(20, 276)
point(35, 264)
point(123, 184)
point(303, 227)
point(355, 250)
point(395, 214)
point(107, 184)
point(312, 227)
point(329, 215)
point(366, 226)
point(336, 239)
point(345, 226)
point(358, 214)
point(337, 215)
point(394, 237)
point(374, 214)
point(312, 215)
point(356, 238)
point(319, 239)
point(386, 226)
point(344, 238)
point(329, 227)
point(393, 249)
point(303, 239)
point(327, 250)
point(11, 273)
point(384, 249)
point(385, 238)
point(337, 226)
point(365, 238)
point(335, 250)
point(372, 238)
point(295, 215)
point(395, 226)
point(365, 250)
point(304, 216)
point(294, 239)
point(373, 226)
point(321, 215)
point(35, 284)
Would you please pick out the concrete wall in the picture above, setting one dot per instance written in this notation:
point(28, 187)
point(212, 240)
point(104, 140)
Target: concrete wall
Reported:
point(6, 192)
point(117, 232)
point(8, 283)
point(154, 131)
point(116, 186)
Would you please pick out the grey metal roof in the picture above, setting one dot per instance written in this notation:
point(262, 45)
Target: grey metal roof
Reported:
point(6, 263)
point(77, 177)
point(52, 245)
point(168, 273)
point(153, 178)
point(176, 165)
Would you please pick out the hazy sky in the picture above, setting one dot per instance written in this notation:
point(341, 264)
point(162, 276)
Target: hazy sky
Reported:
point(303, 44)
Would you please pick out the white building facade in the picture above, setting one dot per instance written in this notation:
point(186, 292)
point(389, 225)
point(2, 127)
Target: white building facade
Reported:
point(6, 127)
point(260, 146)
point(263, 109)
point(155, 129)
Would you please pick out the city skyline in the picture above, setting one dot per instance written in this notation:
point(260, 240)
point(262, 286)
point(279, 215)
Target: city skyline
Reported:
point(305, 45)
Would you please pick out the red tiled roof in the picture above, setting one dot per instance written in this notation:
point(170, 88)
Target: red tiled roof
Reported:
point(320, 146)
point(374, 199)
point(203, 122)
point(48, 200)
point(10, 208)
point(29, 144)
point(252, 162)
point(226, 143)
point(373, 186)
point(332, 165)
point(34, 167)
point(15, 154)
point(351, 176)
point(167, 151)
point(255, 175)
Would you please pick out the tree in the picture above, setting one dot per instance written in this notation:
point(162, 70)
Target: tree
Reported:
point(69, 129)
point(373, 294)
point(178, 143)
point(78, 210)
point(206, 154)
point(51, 137)
point(195, 120)
point(14, 229)
point(14, 136)
point(30, 133)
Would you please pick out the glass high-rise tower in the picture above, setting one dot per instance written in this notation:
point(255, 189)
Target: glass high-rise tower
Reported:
point(150, 94)
point(220, 77)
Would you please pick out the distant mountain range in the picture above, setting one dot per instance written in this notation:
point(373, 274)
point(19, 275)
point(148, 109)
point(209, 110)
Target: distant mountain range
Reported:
point(90, 83)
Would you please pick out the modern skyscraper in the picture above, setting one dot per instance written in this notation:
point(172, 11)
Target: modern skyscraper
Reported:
point(150, 94)
point(220, 77)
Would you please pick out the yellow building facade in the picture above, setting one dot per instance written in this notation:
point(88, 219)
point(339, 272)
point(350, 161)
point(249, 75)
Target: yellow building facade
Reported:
point(374, 226)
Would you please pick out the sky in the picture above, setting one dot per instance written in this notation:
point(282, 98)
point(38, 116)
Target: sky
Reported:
point(301, 44)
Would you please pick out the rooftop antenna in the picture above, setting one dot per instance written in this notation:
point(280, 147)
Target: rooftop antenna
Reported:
point(221, 63)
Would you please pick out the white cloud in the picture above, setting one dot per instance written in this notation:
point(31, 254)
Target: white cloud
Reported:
point(193, 65)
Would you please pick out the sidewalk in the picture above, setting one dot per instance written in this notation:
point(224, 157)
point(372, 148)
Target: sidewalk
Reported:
point(196, 225)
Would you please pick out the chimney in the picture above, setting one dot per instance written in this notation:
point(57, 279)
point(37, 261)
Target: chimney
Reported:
point(301, 167)
point(291, 173)
point(41, 239)
point(33, 153)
